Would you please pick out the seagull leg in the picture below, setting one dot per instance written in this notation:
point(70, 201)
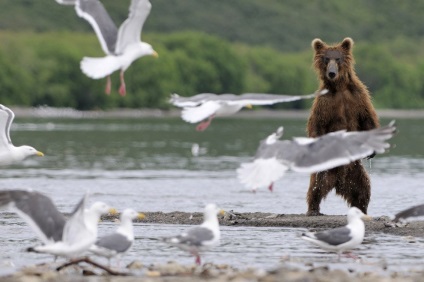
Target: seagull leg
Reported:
point(108, 85)
point(350, 255)
point(271, 187)
point(198, 262)
point(122, 88)
point(204, 124)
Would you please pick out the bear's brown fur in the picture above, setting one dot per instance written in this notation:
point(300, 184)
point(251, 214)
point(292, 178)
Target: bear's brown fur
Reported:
point(348, 106)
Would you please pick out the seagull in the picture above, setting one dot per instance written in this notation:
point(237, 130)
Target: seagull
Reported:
point(343, 238)
point(61, 237)
point(274, 157)
point(119, 242)
point(121, 47)
point(415, 211)
point(196, 150)
point(206, 106)
point(199, 238)
point(10, 154)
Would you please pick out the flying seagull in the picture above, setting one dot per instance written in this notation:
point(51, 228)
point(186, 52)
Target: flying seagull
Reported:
point(10, 154)
point(61, 237)
point(274, 157)
point(119, 242)
point(204, 107)
point(121, 47)
point(343, 238)
point(199, 238)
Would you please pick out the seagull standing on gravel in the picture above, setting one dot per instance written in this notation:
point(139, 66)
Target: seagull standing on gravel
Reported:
point(9, 154)
point(343, 238)
point(61, 237)
point(121, 47)
point(119, 242)
point(204, 107)
point(274, 157)
point(199, 238)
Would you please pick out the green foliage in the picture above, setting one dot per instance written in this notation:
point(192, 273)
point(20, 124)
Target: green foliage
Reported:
point(43, 69)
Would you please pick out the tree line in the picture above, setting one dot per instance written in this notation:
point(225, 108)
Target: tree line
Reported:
point(43, 69)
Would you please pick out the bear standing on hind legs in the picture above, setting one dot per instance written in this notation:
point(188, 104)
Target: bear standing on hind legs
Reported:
point(348, 106)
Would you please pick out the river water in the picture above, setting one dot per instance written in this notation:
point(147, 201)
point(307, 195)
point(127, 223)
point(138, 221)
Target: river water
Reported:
point(147, 164)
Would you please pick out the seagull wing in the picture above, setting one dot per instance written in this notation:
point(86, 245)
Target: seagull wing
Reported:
point(196, 236)
point(334, 237)
point(266, 99)
point(6, 119)
point(75, 229)
point(193, 101)
point(38, 211)
point(411, 212)
point(67, 2)
point(130, 30)
point(266, 168)
point(115, 242)
point(199, 113)
point(95, 13)
point(336, 148)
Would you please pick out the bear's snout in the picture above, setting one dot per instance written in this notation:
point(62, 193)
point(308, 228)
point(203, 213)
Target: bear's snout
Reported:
point(332, 69)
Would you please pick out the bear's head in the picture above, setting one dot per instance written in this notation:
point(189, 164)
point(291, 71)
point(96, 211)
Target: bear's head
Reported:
point(334, 64)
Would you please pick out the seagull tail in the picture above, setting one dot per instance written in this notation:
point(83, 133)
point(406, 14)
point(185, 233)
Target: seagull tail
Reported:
point(97, 68)
point(308, 236)
point(260, 173)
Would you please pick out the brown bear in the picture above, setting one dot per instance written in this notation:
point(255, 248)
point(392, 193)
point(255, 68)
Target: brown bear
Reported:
point(348, 106)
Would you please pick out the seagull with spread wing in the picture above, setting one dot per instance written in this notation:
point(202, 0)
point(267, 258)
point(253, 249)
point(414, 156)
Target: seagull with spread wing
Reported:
point(206, 106)
point(61, 237)
point(121, 47)
point(274, 157)
point(9, 154)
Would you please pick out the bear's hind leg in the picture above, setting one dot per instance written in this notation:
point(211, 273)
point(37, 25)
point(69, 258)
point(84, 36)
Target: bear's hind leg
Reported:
point(320, 185)
point(357, 187)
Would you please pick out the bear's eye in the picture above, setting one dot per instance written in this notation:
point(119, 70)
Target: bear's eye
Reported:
point(326, 60)
point(338, 60)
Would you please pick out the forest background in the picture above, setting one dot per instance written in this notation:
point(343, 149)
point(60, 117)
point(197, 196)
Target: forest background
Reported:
point(214, 46)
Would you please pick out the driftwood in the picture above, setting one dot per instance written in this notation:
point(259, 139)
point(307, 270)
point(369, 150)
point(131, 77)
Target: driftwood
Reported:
point(89, 261)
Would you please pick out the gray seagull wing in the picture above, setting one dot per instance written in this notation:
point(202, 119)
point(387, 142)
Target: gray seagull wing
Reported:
point(335, 236)
point(130, 30)
point(192, 101)
point(411, 212)
point(195, 236)
point(115, 241)
point(38, 211)
point(95, 13)
point(336, 148)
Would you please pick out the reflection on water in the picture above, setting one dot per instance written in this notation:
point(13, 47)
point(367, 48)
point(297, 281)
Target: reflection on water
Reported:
point(147, 164)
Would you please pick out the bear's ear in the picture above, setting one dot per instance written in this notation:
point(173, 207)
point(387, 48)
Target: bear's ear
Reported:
point(317, 44)
point(347, 44)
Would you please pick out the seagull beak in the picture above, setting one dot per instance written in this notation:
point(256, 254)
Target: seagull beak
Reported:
point(113, 211)
point(249, 106)
point(141, 216)
point(221, 212)
point(155, 54)
point(40, 154)
point(366, 217)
